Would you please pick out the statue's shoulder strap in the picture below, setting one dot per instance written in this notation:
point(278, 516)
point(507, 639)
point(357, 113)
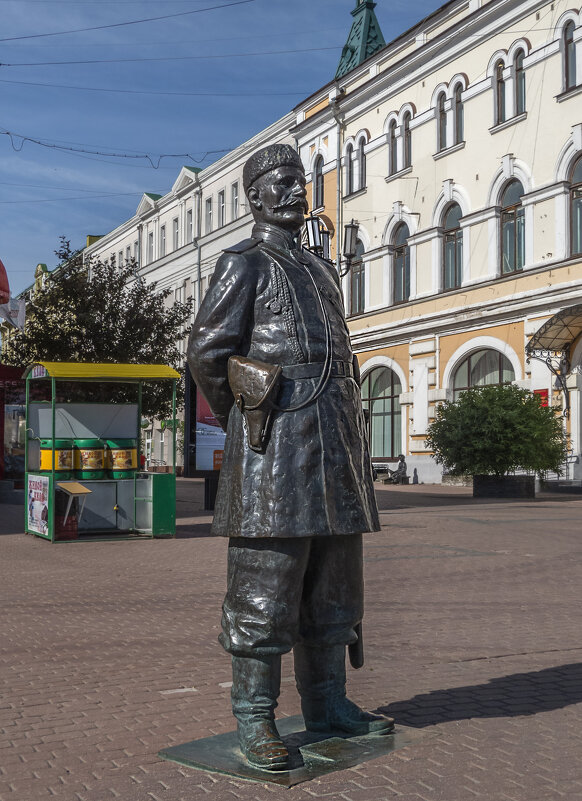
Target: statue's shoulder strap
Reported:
point(242, 247)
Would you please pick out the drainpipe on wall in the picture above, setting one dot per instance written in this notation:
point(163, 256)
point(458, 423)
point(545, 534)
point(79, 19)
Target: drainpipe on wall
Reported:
point(198, 198)
point(335, 110)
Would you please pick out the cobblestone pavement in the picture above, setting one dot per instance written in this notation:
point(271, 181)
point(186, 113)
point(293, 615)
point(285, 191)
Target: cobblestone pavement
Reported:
point(108, 653)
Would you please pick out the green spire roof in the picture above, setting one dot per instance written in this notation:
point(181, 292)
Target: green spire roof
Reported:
point(364, 40)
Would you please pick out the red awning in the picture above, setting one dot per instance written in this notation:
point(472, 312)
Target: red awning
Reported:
point(4, 285)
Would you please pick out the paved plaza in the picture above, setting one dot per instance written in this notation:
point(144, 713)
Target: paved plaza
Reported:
point(473, 630)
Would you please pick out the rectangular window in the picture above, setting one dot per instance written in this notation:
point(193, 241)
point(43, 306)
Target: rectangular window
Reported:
point(175, 234)
point(208, 215)
point(150, 247)
point(234, 196)
point(120, 258)
point(358, 275)
point(136, 250)
point(162, 241)
point(221, 209)
point(128, 253)
point(189, 226)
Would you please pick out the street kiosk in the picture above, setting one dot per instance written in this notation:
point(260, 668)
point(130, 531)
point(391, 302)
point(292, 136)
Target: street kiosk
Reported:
point(83, 453)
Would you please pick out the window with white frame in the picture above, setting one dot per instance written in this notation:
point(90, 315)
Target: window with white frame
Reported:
point(318, 197)
point(221, 209)
point(499, 93)
point(120, 258)
point(175, 234)
point(512, 228)
point(362, 164)
point(401, 264)
point(569, 49)
point(519, 74)
point(441, 122)
point(452, 247)
point(392, 149)
point(407, 139)
point(459, 114)
point(358, 281)
point(136, 250)
point(234, 200)
point(349, 170)
point(208, 215)
point(189, 226)
point(128, 253)
point(150, 247)
point(576, 207)
point(162, 241)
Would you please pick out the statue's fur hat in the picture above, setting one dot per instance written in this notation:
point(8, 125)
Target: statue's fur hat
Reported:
point(269, 158)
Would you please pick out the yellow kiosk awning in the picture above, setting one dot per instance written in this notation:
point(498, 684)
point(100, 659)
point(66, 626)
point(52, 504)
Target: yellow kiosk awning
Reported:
point(85, 370)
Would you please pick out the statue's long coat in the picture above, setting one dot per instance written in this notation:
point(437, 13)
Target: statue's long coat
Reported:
point(315, 475)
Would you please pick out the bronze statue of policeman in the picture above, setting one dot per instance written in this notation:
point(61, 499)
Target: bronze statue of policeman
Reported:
point(270, 351)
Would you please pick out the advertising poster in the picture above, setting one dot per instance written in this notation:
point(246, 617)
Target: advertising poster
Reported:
point(209, 437)
point(37, 504)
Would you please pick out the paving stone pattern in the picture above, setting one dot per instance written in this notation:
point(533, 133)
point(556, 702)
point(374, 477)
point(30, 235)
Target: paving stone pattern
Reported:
point(109, 652)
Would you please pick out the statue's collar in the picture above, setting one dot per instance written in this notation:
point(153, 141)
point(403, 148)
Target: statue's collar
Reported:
point(276, 237)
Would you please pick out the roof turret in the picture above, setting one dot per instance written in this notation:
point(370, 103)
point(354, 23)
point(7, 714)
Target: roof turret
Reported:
point(364, 40)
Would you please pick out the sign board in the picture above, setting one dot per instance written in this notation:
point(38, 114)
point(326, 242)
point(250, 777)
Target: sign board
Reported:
point(209, 437)
point(543, 395)
point(37, 504)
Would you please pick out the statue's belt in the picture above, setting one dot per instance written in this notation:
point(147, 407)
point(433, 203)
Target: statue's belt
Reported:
point(315, 369)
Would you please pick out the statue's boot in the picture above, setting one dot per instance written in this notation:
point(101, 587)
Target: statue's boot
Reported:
point(255, 689)
point(320, 674)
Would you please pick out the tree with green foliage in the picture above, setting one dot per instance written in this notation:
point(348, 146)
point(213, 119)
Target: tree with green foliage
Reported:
point(495, 430)
point(100, 311)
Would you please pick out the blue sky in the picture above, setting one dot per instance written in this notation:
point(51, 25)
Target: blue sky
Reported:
point(224, 66)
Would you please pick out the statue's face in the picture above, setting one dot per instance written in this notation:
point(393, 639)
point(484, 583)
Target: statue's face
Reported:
point(278, 197)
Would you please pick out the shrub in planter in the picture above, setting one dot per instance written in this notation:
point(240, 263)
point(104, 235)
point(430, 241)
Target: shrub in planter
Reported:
point(495, 430)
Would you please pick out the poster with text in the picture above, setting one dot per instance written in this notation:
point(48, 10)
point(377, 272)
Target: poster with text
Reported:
point(209, 437)
point(37, 504)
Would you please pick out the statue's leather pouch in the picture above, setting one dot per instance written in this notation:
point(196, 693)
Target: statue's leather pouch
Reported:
point(254, 385)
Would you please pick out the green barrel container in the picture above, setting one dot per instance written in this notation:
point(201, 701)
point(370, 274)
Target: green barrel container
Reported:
point(121, 458)
point(64, 463)
point(90, 459)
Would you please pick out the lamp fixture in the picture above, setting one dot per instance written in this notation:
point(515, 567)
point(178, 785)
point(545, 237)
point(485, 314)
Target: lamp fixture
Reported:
point(318, 237)
point(350, 245)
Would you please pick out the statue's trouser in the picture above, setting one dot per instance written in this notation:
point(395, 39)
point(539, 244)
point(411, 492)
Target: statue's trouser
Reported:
point(281, 592)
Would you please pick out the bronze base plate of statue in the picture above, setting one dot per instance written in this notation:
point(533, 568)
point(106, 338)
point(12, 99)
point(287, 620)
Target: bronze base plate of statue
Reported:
point(310, 755)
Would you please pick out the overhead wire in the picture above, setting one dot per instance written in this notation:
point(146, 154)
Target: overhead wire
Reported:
point(167, 58)
point(300, 93)
point(19, 140)
point(125, 24)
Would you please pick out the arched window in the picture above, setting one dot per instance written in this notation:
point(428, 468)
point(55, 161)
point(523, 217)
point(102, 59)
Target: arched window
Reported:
point(401, 270)
point(381, 389)
point(452, 247)
point(349, 170)
point(442, 122)
point(318, 183)
point(576, 207)
point(499, 93)
point(362, 164)
point(459, 115)
point(569, 57)
point(512, 228)
point(392, 149)
point(358, 281)
point(407, 139)
point(481, 368)
point(519, 83)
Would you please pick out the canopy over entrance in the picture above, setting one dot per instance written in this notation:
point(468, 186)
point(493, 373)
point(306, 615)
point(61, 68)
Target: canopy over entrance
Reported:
point(552, 344)
point(559, 332)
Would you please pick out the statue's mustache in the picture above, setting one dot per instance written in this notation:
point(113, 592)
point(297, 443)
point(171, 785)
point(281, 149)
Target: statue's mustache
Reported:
point(292, 201)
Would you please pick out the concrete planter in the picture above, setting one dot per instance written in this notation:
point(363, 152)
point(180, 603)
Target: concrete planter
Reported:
point(485, 486)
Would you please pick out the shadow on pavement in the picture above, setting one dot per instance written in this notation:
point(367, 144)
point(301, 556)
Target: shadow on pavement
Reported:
point(508, 696)
point(192, 531)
